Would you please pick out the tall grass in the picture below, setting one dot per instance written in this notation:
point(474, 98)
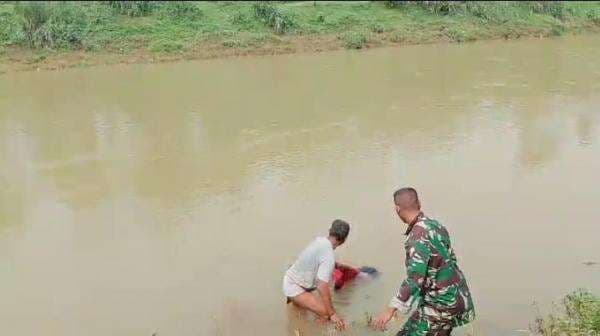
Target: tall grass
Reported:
point(134, 8)
point(176, 26)
point(579, 316)
point(484, 9)
point(52, 25)
point(273, 17)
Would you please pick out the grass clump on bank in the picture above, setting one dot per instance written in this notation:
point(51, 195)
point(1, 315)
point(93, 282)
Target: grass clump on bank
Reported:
point(580, 316)
point(194, 29)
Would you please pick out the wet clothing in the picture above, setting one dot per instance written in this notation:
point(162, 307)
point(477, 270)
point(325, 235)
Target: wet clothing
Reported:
point(316, 261)
point(343, 275)
point(419, 324)
point(435, 285)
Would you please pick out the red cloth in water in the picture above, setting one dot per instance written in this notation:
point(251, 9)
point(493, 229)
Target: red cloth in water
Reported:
point(343, 275)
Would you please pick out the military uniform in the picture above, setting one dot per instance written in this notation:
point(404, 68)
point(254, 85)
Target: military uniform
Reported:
point(434, 283)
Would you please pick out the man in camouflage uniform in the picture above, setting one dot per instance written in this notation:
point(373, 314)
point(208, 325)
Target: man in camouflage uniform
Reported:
point(435, 286)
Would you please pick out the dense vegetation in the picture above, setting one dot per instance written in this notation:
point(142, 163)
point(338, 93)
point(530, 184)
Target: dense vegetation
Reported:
point(208, 29)
point(580, 316)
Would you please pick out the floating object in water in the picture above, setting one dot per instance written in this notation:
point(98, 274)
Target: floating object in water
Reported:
point(369, 270)
point(343, 275)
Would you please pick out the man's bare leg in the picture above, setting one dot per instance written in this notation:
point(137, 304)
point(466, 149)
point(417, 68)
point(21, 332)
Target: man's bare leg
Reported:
point(311, 302)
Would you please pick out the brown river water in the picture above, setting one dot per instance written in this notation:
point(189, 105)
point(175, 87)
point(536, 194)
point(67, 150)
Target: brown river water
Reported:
point(170, 199)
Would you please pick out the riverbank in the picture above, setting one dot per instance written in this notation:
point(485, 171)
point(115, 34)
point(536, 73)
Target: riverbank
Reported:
point(41, 36)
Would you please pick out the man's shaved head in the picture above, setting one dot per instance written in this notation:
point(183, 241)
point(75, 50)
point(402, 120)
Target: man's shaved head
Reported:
point(407, 199)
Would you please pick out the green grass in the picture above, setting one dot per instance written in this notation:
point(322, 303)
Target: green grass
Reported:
point(579, 315)
point(162, 27)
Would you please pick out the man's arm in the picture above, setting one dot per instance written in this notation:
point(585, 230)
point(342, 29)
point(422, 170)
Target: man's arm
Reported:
point(344, 265)
point(325, 293)
point(417, 259)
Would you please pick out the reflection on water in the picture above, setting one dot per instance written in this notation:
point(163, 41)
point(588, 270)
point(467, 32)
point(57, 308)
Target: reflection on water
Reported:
point(169, 198)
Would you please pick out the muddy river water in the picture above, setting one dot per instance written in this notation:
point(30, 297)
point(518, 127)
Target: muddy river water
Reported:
point(169, 199)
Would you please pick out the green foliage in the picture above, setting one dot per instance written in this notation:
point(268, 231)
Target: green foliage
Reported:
point(377, 28)
point(181, 10)
point(10, 32)
point(354, 40)
point(587, 10)
point(579, 316)
point(62, 25)
point(273, 17)
point(240, 19)
point(33, 16)
point(166, 46)
point(488, 10)
point(134, 8)
point(459, 34)
point(553, 8)
point(126, 26)
point(436, 7)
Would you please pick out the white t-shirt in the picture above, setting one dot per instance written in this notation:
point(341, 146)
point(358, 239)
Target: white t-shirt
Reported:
point(315, 262)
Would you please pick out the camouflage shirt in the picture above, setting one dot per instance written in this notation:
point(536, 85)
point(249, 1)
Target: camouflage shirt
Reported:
point(433, 277)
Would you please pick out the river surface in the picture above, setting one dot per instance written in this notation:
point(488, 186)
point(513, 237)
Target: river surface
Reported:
point(169, 199)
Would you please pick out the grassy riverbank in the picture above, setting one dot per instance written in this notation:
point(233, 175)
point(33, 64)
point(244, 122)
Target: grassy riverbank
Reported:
point(40, 35)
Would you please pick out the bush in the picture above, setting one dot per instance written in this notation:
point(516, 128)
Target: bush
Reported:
point(580, 315)
point(377, 28)
point(594, 16)
point(554, 8)
point(181, 10)
point(459, 35)
point(355, 40)
point(9, 29)
point(166, 46)
point(61, 25)
point(134, 8)
point(483, 9)
point(242, 20)
point(273, 17)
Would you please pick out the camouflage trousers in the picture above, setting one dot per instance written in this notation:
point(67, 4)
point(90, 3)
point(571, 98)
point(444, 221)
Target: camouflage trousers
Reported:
point(419, 324)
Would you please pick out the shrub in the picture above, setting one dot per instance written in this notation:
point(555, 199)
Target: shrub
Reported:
point(580, 315)
point(460, 35)
point(181, 10)
point(557, 30)
point(9, 29)
point(233, 43)
point(554, 8)
point(273, 17)
point(62, 25)
point(134, 8)
point(33, 16)
point(594, 16)
point(242, 20)
point(377, 28)
point(355, 40)
point(166, 46)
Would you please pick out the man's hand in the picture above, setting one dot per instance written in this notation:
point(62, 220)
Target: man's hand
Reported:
point(340, 323)
point(381, 321)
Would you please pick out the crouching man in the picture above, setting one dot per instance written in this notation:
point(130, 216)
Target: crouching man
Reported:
point(313, 271)
point(435, 286)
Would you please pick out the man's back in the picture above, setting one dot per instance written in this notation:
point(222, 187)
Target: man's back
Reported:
point(315, 261)
point(444, 289)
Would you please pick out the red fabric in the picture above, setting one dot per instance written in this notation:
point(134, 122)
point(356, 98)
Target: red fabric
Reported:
point(343, 275)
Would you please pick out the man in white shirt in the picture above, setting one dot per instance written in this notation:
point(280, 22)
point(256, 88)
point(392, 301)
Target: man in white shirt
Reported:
point(313, 270)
